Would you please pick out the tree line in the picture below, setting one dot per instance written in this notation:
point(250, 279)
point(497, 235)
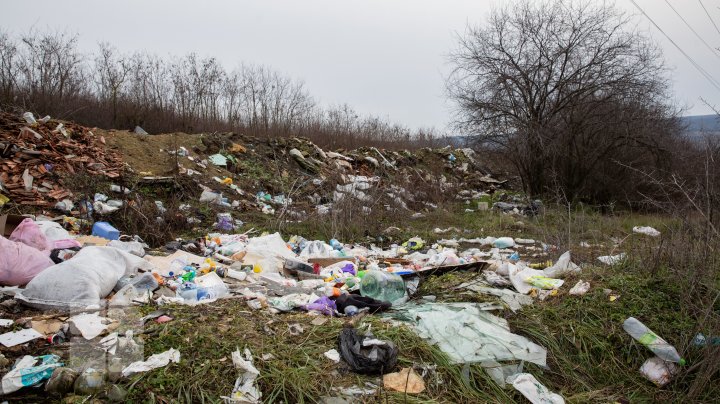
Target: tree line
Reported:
point(47, 73)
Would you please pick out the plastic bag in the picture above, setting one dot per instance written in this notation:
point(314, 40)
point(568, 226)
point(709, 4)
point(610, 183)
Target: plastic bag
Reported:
point(646, 230)
point(543, 282)
point(20, 263)
point(533, 390)
point(27, 372)
point(367, 355)
point(53, 231)
point(360, 302)
point(658, 371)
point(580, 288)
point(317, 249)
point(29, 233)
point(562, 267)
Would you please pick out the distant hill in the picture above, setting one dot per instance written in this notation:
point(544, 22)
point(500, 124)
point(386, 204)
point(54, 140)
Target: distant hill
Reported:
point(699, 123)
point(697, 127)
point(700, 127)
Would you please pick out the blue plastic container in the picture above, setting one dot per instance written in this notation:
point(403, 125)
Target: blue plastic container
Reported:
point(105, 230)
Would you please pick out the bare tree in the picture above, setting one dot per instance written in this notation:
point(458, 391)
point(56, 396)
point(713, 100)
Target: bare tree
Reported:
point(561, 86)
point(111, 73)
point(52, 69)
point(8, 67)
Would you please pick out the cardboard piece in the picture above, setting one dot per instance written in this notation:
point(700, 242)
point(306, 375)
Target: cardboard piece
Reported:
point(92, 241)
point(10, 339)
point(8, 223)
point(46, 326)
point(404, 381)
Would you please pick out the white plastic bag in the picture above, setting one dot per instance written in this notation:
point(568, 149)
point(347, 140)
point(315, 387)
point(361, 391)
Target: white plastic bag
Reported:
point(658, 371)
point(562, 267)
point(612, 259)
point(646, 230)
point(533, 390)
point(580, 288)
point(155, 361)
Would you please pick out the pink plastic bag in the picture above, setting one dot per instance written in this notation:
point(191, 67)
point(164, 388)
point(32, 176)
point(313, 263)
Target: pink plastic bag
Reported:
point(29, 233)
point(19, 263)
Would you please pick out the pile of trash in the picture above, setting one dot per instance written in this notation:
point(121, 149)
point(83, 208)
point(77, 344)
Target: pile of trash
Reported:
point(33, 153)
point(46, 267)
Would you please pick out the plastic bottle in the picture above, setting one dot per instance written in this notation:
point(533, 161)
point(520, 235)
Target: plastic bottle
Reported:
point(652, 341)
point(188, 291)
point(231, 273)
point(382, 286)
point(189, 275)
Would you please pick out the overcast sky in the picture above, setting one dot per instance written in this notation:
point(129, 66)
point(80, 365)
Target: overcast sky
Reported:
point(383, 57)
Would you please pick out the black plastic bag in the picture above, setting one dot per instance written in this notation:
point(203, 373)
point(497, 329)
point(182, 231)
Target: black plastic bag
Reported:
point(370, 360)
point(360, 302)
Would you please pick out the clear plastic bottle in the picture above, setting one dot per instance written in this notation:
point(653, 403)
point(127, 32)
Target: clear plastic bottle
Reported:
point(188, 292)
point(382, 286)
point(652, 341)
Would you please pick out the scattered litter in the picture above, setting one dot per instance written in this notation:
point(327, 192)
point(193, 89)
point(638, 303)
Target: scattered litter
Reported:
point(514, 300)
point(612, 259)
point(647, 230)
point(658, 371)
point(611, 295)
point(11, 339)
point(366, 355)
point(333, 355)
point(543, 282)
point(46, 327)
point(404, 381)
point(153, 362)
point(504, 242)
point(295, 329)
point(533, 390)
point(28, 372)
point(562, 267)
point(6, 322)
point(246, 389)
point(652, 341)
point(218, 160)
point(580, 288)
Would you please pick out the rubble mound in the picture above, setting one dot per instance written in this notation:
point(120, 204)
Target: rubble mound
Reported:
point(34, 156)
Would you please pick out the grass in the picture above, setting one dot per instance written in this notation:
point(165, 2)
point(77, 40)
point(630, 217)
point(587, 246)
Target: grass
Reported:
point(298, 371)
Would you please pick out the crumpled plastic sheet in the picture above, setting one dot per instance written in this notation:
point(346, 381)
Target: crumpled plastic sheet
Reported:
point(153, 362)
point(514, 300)
point(467, 334)
point(292, 301)
point(246, 389)
point(533, 390)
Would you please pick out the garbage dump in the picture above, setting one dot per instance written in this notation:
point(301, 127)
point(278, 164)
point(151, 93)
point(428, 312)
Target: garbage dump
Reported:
point(83, 265)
